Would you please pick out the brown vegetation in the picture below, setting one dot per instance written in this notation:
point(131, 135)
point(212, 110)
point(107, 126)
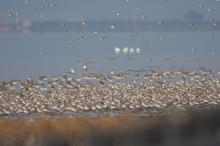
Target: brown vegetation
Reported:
point(193, 129)
point(74, 131)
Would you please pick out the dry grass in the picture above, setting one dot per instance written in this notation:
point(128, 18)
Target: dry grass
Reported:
point(72, 131)
point(123, 130)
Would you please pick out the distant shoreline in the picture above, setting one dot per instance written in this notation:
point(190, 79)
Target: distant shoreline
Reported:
point(170, 25)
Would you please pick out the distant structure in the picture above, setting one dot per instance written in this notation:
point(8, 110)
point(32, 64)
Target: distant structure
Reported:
point(192, 21)
point(193, 16)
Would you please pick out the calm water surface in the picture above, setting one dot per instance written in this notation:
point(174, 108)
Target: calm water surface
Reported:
point(38, 52)
point(35, 54)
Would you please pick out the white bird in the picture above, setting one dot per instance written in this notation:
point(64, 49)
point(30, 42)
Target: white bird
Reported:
point(72, 70)
point(85, 68)
point(125, 50)
point(138, 50)
point(131, 50)
point(117, 50)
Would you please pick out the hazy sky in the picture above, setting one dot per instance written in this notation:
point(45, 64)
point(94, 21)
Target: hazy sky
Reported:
point(96, 9)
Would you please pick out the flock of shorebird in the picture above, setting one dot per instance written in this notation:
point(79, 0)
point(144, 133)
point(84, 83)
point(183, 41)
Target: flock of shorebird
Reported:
point(93, 92)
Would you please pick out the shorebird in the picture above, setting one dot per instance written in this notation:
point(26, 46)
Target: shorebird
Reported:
point(15, 82)
point(30, 80)
point(3, 86)
point(93, 76)
point(63, 93)
point(25, 87)
point(78, 79)
point(118, 76)
point(63, 78)
point(90, 76)
point(72, 71)
point(43, 78)
point(85, 68)
point(51, 84)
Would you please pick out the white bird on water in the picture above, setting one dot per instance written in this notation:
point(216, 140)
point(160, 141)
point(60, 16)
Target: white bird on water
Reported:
point(72, 70)
point(85, 68)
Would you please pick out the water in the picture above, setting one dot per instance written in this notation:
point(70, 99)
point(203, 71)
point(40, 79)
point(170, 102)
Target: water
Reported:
point(58, 36)
point(35, 54)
